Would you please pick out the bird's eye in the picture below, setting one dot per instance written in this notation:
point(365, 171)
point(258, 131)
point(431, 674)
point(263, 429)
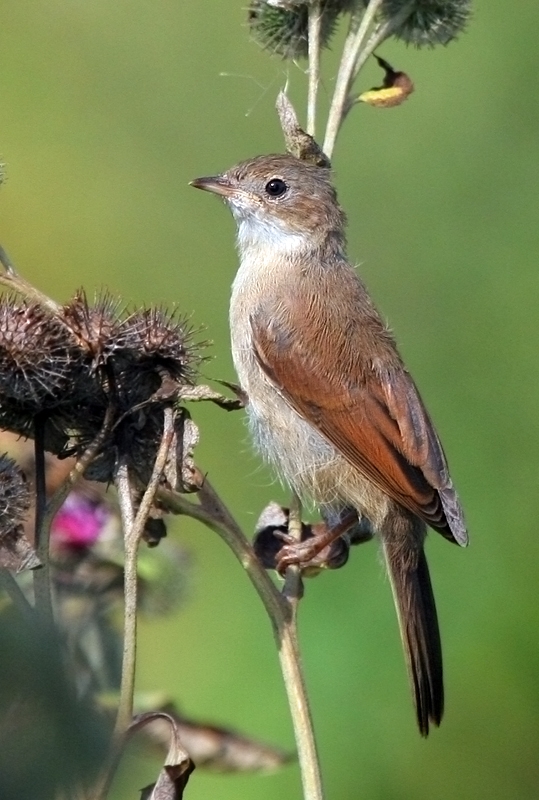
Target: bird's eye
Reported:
point(276, 187)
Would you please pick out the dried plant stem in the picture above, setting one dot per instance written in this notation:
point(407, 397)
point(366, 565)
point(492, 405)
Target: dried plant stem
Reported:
point(133, 526)
point(212, 512)
point(42, 574)
point(315, 23)
point(359, 27)
point(298, 702)
point(127, 512)
point(57, 500)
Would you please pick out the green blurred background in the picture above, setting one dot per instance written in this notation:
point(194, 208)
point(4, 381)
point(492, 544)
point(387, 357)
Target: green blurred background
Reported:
point(108, 110)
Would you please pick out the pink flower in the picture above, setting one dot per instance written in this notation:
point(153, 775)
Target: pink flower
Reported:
point(80, 521)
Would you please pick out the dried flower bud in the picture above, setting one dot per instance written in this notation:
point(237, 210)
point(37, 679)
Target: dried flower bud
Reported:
point(95, 326)
point(37, 356)
point(430, 22)
point(282, 27)
point(157, 339)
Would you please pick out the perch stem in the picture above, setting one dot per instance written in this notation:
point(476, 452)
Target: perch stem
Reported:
point(213, 513)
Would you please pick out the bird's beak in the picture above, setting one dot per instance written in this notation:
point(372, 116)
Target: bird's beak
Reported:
point(216, 184)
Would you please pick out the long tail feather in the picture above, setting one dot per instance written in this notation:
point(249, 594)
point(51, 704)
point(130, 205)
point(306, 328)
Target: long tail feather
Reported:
point(418, 621)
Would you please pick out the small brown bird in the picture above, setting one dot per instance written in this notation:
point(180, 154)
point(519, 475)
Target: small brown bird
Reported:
point(331, 404)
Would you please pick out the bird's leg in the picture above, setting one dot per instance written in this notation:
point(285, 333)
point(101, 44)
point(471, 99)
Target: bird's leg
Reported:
point(321, 548)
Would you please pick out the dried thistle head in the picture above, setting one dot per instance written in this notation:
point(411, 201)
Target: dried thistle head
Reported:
point(94, 326)
point(282, 28)
point(149, 347)
point(157, 339)
point(74, 369)
point(37, 356)
point(430, 22)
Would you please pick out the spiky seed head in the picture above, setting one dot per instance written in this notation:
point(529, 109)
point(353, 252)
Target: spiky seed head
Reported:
point(430, 22)
point(94, 326)
point(283, 29)
point(37, 355)
point(156, 339)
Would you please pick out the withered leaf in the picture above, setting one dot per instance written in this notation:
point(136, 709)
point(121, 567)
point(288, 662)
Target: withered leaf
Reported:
point(219, 748)
point(178, 766)
point(298, 143)
point(396, 88)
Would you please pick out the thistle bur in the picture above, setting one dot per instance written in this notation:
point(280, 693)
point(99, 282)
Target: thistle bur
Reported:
point(37, 356)
point(74, 368)
point(157, 338)
point(282, 28)
point(430, 22)
point(95, 326)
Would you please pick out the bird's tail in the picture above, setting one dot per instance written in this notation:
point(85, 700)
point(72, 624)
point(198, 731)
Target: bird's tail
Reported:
point(414, 600)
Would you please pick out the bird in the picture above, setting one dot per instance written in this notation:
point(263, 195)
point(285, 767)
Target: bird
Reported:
point(331, 405)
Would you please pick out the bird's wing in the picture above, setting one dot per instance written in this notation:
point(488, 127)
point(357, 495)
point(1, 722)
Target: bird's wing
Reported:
point(375, 418)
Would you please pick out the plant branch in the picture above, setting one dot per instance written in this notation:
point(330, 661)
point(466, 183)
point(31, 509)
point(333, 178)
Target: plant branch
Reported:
point(213, 513)
point(42, 574)
point(381, 32)
point(359, 27)
point(293, 585)
point(133, 526)
point(315, 24)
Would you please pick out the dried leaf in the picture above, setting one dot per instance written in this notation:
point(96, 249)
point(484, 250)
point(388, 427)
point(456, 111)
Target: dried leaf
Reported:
point(204, 393)
point(298, 143)
point(218, 748)
point(396, 88)
point(178, 766)
point(180, 471)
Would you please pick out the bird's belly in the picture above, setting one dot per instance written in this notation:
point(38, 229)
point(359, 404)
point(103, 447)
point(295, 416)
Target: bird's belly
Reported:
point(306, 461)
point(301, 456)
